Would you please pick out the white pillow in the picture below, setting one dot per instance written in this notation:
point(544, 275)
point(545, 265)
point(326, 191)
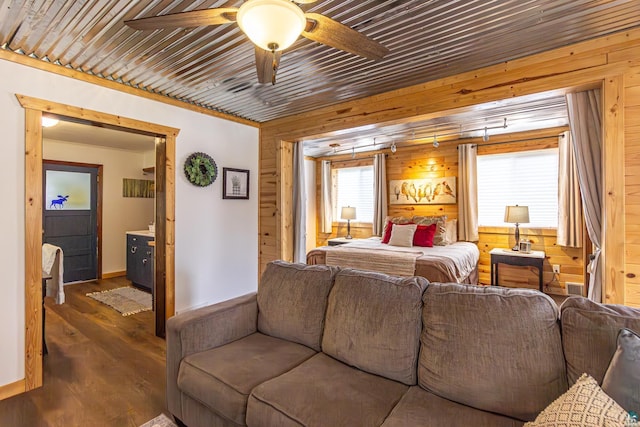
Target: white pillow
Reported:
point(402, 235)
point(451, 236)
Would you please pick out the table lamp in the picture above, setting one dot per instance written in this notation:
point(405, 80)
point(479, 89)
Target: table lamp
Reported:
point(348, 213)
point(516, 215)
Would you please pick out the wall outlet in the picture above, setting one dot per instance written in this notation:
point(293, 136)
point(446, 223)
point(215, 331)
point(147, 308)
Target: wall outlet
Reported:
point(556, 268)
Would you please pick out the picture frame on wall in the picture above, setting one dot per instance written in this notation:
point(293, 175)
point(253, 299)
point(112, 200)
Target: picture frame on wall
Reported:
point(235, 183)
point(428, 191)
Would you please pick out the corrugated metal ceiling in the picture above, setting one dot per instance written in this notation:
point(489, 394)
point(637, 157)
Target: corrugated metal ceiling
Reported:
point(213, 66)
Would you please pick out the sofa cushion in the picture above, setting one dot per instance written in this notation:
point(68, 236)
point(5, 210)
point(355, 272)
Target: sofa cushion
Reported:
point(223, 377)
point(589, 333)
point(495, 349)
point(373, 323)
point(323, 392)
point(292, 300)
point(421, 408)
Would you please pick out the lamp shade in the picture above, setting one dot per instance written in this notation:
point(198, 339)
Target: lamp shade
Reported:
point(516, 214)
point(271, 24)
point(348, 213)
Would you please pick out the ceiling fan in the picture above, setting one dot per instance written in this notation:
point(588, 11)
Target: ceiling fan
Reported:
point(272, 25)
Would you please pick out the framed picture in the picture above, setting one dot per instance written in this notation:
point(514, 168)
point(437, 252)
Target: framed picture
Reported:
point(429, 191)
point(235, 183)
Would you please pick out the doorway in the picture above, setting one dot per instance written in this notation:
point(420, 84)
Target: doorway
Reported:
point(71, 216)
point(165, 214)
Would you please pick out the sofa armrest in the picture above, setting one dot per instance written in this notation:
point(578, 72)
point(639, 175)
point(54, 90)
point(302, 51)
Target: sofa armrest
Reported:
point(203, 329)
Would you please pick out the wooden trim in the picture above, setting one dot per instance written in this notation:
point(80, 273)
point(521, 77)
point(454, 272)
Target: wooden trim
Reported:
point(613, 221)
point(33, 249)
point(113, 274)
point(33, 216)
point(79, 75)
point(99, 196)
point(12, 389)
point(169, 224)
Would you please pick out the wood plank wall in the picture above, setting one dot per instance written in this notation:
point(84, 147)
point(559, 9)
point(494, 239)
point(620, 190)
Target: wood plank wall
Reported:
point(425, 161)
point(632, 186)
point(601, 62)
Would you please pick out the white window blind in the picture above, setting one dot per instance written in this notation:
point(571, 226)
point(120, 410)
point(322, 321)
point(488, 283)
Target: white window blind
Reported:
point(527, 178)
point(354, 187)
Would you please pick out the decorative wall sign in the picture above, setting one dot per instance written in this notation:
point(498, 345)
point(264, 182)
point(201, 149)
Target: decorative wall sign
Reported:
point(200, 169)
point(428, 191)
point(144, 188)
point(235, 183)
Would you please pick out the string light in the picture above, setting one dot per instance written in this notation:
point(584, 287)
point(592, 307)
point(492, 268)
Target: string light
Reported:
point(436, 144)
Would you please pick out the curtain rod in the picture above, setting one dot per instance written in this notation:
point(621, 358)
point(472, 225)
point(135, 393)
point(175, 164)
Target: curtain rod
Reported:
point(517, 140)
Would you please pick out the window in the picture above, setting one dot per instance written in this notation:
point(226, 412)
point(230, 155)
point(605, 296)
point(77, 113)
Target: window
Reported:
point(354, 187)
point(527, 178)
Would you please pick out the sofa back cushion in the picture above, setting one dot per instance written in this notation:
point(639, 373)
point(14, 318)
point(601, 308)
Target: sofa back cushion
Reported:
point(373, 323)
point(589, 334)
point(494, 349)
point(292, 300)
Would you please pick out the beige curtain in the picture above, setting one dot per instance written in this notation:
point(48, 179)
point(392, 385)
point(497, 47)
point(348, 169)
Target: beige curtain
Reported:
point(570, 222)
point(299, 206)
point(326, 210)
point(585, 121)
point(467, 193)
point(379, 193)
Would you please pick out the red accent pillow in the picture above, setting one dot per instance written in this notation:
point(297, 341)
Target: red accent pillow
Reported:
point(424, 235)
point(387, 234)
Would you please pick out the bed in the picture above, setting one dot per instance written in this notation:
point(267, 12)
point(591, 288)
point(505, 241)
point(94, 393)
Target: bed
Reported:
point(456, 262)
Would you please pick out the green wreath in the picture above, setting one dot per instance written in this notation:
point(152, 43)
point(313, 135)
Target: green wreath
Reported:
point(200, 169)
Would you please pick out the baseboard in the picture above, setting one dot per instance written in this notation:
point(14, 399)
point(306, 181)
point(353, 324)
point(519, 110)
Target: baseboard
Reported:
point(113, 274)
point(12, 389)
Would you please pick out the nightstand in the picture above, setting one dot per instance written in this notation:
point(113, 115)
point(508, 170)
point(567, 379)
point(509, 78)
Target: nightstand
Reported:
point(516, 258)
point(336, 241)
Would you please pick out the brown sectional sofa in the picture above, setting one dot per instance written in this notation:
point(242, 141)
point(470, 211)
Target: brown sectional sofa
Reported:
point(322, 346)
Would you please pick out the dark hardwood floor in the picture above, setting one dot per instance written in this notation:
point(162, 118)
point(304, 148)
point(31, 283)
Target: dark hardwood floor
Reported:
point(102, 369)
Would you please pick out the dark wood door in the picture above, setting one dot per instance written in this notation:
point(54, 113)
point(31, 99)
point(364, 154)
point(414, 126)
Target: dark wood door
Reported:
point(70, 217)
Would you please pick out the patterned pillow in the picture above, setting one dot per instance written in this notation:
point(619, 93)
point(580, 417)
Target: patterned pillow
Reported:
point(386, 231)
point(440, 238)
point(583, 405)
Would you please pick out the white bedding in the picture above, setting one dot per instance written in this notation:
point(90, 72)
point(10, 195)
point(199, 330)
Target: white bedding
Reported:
point(461, 258)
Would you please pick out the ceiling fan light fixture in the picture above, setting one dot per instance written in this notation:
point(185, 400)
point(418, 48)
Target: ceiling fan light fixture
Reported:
point(271, 24)
point(48, 122)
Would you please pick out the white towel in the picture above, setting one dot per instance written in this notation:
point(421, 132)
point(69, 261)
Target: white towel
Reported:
point(52, 264)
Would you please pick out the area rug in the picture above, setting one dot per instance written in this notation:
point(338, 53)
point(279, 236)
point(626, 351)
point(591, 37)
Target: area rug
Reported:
point(160, 421)
point(126, 300)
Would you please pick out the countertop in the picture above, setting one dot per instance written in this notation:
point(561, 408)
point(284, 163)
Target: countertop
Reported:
point(145, 233)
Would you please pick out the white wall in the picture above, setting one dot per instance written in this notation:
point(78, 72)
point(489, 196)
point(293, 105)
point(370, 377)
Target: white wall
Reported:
point(119, 214)
point(216, 240)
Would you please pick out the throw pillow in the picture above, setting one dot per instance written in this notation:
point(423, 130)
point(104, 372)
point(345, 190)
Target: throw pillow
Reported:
point(424, 235)
point(393, 220)
point(386, 235)
point(440, 238)
point(583, 405)
point(622, 379)
point(402, 235)
point(452, 231)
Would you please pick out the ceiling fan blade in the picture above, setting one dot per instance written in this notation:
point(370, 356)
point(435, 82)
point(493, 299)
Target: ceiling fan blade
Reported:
point(267, 64)
point(332, 33)
point(305, 1)
point(194, 18)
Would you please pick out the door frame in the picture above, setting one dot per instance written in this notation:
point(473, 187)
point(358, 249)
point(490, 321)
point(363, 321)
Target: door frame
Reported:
point(165, 217)
point(98, 205)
